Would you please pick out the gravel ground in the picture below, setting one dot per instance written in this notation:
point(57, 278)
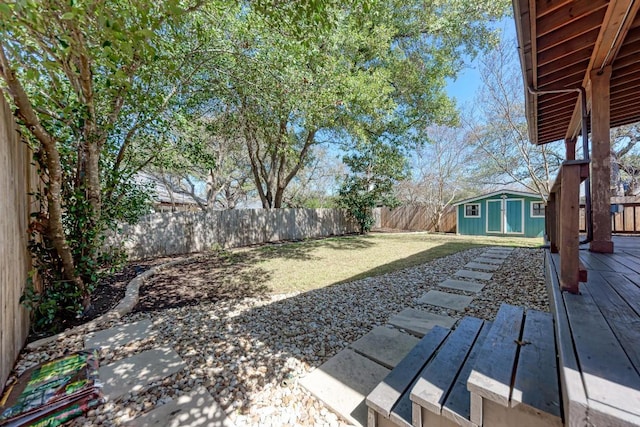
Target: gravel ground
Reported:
point(250, 353)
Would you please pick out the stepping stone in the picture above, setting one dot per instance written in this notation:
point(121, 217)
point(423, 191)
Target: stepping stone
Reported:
point(419, 322)
point(486, 260)
point(446, 300)
point(501, 249)
point(385, 346)
point(343, 383)
point(478, 275)
point(120, 335)
point(495, 255)
point(135, 372)
point(480, 266)
point(197, 408)
point(462, 285)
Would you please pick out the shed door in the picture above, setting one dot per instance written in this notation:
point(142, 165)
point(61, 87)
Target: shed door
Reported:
point(514, 216)
point(494, 216)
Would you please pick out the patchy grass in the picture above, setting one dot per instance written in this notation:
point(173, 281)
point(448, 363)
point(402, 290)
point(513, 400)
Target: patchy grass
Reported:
point(313, 264)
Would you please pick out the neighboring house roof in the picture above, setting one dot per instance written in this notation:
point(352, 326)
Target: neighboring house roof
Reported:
point(495, 193)
point(161, 193)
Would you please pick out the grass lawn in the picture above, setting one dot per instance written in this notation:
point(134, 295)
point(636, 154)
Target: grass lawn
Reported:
point(314, 264)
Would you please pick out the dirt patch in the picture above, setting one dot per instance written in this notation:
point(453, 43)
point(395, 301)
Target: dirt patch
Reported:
point(108, 293)
point(212, 277)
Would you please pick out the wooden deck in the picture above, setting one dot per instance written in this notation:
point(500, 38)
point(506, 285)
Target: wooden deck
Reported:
point(598, 337)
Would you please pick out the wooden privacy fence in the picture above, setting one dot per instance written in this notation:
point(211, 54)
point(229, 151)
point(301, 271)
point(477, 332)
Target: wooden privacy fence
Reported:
point(626, 221)
point(162, 234)
point(414, 218)
point(17, 178)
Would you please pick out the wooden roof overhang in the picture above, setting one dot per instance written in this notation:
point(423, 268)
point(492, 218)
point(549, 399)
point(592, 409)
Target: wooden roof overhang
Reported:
point(560, 43)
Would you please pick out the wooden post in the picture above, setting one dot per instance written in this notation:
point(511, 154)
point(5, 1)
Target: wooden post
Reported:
point(570, 148)
point(601, 161)
point(551, 221)
point(569, 228)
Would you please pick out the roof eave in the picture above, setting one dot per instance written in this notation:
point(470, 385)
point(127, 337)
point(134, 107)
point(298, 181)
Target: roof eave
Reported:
point(495, 193)
point(522, 17)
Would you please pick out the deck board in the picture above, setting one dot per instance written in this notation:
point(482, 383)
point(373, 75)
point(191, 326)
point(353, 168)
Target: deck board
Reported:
point(628, 260)
point(606, 370)
point(491, 376)
point(457, 407)
point(627, 289)
point(536, 379)
point(594, 263)
point(599, 334)
point(387, 394)
point(574, 396)
point(436, 379)
point(607, 262)
point(622, 319)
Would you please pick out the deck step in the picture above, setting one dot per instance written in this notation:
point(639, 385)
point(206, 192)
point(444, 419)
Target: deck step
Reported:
point(389, 402)
point(515, 380)
point(440, 396)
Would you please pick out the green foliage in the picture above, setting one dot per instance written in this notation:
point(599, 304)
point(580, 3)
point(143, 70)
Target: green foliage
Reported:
point(184, 86)
point(90, 72)
point(374, 171)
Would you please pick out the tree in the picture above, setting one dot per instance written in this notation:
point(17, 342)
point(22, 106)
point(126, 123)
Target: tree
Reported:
point(625, 159)
point(316, 184)
point(97, 86)
point(92, 85)
point(374, 170)
point(439, 168)
point(504, 153)
point(387, 60)
point(209, 165)
point(281, 114)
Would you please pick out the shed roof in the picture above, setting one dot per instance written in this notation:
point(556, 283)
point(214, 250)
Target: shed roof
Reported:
point(560, 43)
point(498, 192)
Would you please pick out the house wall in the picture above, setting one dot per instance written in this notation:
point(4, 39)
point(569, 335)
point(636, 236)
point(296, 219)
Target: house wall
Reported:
point(533, 227)
point(17, 178)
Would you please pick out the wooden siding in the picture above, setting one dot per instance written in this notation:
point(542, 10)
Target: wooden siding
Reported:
point(16, 179)
point(414, 218)
point(533, 227)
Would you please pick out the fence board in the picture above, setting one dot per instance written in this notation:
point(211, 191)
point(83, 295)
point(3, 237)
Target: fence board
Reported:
point(413, 218)
point(17, 177)
point(173, 233)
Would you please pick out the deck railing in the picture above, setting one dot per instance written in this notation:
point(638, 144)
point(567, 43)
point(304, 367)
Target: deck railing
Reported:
point(624, 220)
point(562, 221)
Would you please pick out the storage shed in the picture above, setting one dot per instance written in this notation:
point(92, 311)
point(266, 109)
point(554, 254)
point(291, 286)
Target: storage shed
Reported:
point(501, 213)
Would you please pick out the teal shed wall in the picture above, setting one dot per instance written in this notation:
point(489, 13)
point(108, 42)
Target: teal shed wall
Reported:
point(490, 216)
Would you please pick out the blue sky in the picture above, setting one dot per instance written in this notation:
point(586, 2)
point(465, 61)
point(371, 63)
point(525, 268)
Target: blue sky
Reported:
point(465, 87)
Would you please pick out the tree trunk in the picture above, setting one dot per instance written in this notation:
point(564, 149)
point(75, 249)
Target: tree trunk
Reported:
point(55, 230)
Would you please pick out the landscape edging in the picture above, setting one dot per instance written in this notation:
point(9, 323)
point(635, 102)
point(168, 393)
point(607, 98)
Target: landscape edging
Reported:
point(123, 307)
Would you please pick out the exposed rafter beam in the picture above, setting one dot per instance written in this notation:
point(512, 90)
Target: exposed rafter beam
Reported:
point(615, 26)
